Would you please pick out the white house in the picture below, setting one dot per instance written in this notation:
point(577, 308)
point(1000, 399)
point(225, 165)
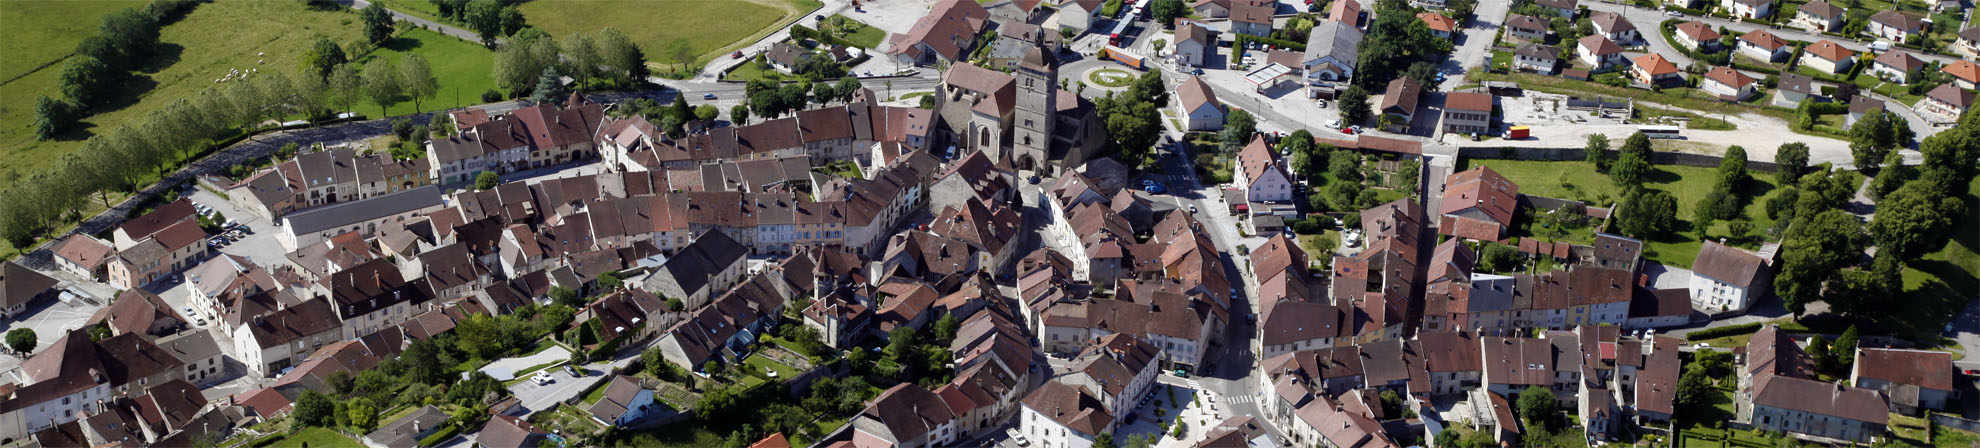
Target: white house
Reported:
point(1828, 56)
point(1725, 279)
point(624, 402)
point(1729, 84)
point(1059, 415)
point(1614, 27)
point(1261, 174)
point(1598, 51)
point(1764, 45)
point(1749, 9)
point(1199, 105)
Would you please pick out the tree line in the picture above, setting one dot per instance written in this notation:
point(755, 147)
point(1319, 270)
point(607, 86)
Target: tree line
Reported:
point(123, 42)
point(530, 57)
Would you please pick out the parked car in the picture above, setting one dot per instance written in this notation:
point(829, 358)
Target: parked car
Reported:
point(1018, 437)
point(1674, 13)
point(1192, 208)
point(1334, 123)
point(573, 371)
point(707, 96)
point(543, 378)
point(1034, 179)
point(1348, 131)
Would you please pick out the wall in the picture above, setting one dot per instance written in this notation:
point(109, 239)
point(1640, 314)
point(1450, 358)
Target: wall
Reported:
point(1556, 154)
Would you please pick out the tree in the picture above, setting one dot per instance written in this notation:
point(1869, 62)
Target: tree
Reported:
point(1166, 11)
point(1104, 440)
point(1499, 258)
point(1893, 176)
point(485, 18)
point(1694, 389)
point(512, 20)
point(1134, 129)
point(1876, 135)
point(323, 56)
point(1732, 168)
point(364, 414)
point(381, 84)
point(1647, 213)
point(739, 114)
point(1238, 127)
point(565, 296)
point(51, 118)
point(83, 80)
point(1914, 220)
point(1638, 144)
point(1536, 406)
point(1395, 41)
point(1790, 161)
point(22, 340)
point(1597, 151)
point(477, 336)
point(1345, 166)
point(707, 113)
point(1304, 158)
point(1629, 171)
point(1845, 346)
point(339, 382)
point(549, 88)
point(377, 23)
point(945, 328)
point(417, 78)
point(1818, 349)
point(1150, 88)
point(626, 61)
point(1354, 106)
point(313, 409)
point(1814, 247)
point(582, 59)
point(345, 83)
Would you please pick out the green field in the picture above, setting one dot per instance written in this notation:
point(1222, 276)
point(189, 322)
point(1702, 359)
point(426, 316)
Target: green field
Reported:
point(315, 437)
point(43, 31)
point(465, 69)
point(1578, 180)
point(199, 48)
point(417, 8)
point(666, 28)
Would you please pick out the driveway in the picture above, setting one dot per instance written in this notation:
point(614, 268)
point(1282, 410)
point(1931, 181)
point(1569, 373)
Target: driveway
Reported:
point(505, 369)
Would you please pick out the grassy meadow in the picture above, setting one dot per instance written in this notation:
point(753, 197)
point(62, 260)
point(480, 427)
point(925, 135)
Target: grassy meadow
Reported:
point(661, 28)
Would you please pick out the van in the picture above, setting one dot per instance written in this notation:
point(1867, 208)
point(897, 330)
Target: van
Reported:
point(1880, 46)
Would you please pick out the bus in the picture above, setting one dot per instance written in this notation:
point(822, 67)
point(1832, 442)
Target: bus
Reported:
point(1120, 30)
point(1140, 10)
point(1659, 131)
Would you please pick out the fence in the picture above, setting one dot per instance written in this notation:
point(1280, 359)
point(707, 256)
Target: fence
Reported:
point(1955, 422)
point(1557, 154)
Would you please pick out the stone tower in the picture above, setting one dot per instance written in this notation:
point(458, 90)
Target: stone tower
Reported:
point(1032, 125)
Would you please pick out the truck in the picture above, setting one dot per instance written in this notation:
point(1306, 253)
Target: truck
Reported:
point(1518, 132)
point(1117, 54)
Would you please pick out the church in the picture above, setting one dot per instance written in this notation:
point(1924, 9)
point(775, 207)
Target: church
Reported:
point(1022, 119)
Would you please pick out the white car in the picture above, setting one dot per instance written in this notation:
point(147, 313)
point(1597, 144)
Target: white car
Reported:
point(1017, 437)
point(1674, 14)
point(1335, 124)
point(542, 379)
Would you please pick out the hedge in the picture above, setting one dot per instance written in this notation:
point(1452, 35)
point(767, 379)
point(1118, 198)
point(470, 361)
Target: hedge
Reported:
point(1729, 330)
point(1279, 43)
point(446, 433)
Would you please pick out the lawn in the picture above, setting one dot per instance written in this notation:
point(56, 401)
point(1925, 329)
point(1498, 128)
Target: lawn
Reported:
point(668, 29)
point(764, 365)
point(1578, 180)
point(42, 31)
point(1313, 245)
point(751, 71)
point(418, 8)
point(1691, 99)
point(199, 48)
point(315, 436)
point(865, 37)
point(465, 70)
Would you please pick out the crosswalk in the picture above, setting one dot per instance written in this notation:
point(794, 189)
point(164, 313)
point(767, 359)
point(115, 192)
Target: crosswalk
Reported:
point(1238, 399)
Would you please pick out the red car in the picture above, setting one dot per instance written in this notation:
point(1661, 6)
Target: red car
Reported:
point(1348, 131)
point(1974, 372)
point(736, 55)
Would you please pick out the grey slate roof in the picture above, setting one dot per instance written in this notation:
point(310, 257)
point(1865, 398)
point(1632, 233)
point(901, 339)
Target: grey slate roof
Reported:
point(338, 215)
point(1333, 39)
